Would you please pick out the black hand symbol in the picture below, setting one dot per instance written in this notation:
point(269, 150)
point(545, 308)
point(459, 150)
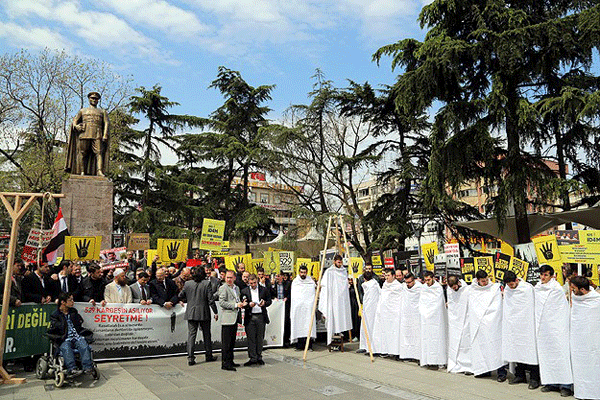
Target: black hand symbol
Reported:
point(430, 256)
point(258, 265)
point(355, 267)
point(173, 249)
point(547, 251)
point(82, 248)
point(237, 262)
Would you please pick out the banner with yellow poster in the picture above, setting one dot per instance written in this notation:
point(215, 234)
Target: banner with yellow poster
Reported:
point(547, 251)
point(486, 264)
point(172, 250)
point(301, 261)
point(356, 266)
point(82, 248)
point(429, 251)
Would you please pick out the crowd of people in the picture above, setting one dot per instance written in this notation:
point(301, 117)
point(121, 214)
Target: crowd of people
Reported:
point(550, 331)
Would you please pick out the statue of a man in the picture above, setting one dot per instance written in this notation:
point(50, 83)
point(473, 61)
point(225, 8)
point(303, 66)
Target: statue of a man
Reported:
point(88, 150)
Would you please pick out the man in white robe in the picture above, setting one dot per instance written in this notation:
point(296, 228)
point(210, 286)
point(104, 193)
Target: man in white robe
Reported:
point(371, 292)
point(386, 327)
point(410, 319)
point(485, 327)
point(302, 300)
point(434, 322)
point(552, 330)
point(334, 299)
point(585, 339)
point(518, 330)
point(459, 339)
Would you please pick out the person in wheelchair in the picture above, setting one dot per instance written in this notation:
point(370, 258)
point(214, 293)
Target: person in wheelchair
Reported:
point(67, 332)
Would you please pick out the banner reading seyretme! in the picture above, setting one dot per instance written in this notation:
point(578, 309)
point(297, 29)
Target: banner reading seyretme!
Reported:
point(126, 331)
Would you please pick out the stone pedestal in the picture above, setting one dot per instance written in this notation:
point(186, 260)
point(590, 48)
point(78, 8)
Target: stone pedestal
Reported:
point(88, 207)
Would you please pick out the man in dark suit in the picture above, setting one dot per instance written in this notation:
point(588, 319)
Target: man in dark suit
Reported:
point(140, 290)
point(66, 281)
point(200, 300)
point(37, 287)
point(92, 286)
point(256, 318)
point(282, 290)
point(163, 290)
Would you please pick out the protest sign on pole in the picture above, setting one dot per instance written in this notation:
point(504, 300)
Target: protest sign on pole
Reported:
point(82, 248)
point(501, 265)
point(302, 262)
point(519, 267)
point(467, 268)
point(356, 266)
point(138, 241)
point(113, 258)
point(270, 264)
point(485, 264)
point(231, 262)
point(286, 261)
point(172, 250)
point(37, 239)
point(224, 251)
point(429, 251)
point(547, 251)
point(212, 234)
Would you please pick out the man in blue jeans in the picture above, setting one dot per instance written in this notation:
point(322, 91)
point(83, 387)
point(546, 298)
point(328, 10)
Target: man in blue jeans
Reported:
point(66, 327)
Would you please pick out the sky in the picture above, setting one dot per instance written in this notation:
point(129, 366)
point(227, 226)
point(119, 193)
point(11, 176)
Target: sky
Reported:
point(179, 44)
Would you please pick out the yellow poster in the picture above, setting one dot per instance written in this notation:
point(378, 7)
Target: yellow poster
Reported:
point(231, 262)
point(271, 265)
point(467, 268)
point(212, 234)
point(301, 261)
point(314, 269)
point(429, 251)
point(519, 267)
point(356, 266)
point(150, 258)
point(172, 250)
point(285, 261)
point(258, 262)
point(591, 272)
point(506, 248)
point(486, 264)
point(82, 248)
point(547, 251)
point(224, 250)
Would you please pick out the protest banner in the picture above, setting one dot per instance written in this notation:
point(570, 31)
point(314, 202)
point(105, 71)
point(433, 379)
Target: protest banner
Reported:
point(452, 249)
point(223, 252)
point(356, 266)
point(212, 234)
point(37, 239)
point(231, 262)
point(388, 262)
point(501, 265)
point(299, 262)
point(82, 248)
point(138, 241)
point(467, 268)
point(485, 264)
point(25, 330)
point(519, 267)
point(172, 250)
point(129, 331)
point(548, 252)
point(286, 261)
point(429, 251)
point(579, 247)
point(113, 258)
point(270, 263)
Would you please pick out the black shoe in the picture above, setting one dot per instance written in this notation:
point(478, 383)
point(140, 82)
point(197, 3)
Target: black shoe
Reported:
point(211, 358)
point(249, 363)
point(260, 362)
point(533, 384)
point(228, 368)
point(546, 389)
point(565, 392)
point(73, 373)
point(191, 362)
point(501, 378)
point(485, 375)
point(517, 380)
point(235, 365)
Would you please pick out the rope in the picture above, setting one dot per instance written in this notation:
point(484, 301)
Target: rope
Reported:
point(45, 198)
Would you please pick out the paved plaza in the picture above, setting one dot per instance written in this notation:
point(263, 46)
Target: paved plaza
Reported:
point(324, 376)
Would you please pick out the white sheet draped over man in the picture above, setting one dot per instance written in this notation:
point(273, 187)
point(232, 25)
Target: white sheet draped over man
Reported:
point(334, 299)
point(459, 339)
point(386, 327)
point(518, 329)
point(371, 292)
point(302, 300)
point(585, 339)
point(434, 322)
point(410, 319)
point(552, 325)
point(485, 324)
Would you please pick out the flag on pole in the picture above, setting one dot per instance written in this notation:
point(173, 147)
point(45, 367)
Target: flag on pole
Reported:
point(59, 232)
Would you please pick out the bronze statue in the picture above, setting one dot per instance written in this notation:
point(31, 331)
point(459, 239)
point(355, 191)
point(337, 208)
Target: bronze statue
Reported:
point(88, 150)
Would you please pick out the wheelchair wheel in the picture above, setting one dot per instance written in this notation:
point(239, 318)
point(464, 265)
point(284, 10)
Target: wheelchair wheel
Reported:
point(41, 368)
point(96, 373)
point(59, 378)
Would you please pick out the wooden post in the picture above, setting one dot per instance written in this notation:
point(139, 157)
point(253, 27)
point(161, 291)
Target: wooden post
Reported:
point(16, 212)
point(364, 324)
point(314, 309)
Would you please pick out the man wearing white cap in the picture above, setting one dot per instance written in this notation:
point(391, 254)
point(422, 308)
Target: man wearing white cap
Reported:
point(118, 291)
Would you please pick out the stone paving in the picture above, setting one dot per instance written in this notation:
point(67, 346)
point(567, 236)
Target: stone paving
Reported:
point(325, 375)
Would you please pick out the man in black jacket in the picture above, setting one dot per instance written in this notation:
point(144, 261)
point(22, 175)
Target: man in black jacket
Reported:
point(163, 290)
point(93, 285)
point(66, 328)
point(255, 318)
point(200, 300)
point(37, 287)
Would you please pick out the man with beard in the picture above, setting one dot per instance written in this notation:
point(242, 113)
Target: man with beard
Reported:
point(459, 339)
point(434, 318)
point(386, 327)
point(334, 300)
point(410, 319)
point(371, 293)
point(302, 300)
point(118, 291)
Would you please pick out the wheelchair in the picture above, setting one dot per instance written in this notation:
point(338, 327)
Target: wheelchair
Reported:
point(52, 364)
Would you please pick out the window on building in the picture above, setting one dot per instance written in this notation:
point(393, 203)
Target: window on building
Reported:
point(363, 192)
point(264, 198)
point(252, 197)
point(276, 199)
